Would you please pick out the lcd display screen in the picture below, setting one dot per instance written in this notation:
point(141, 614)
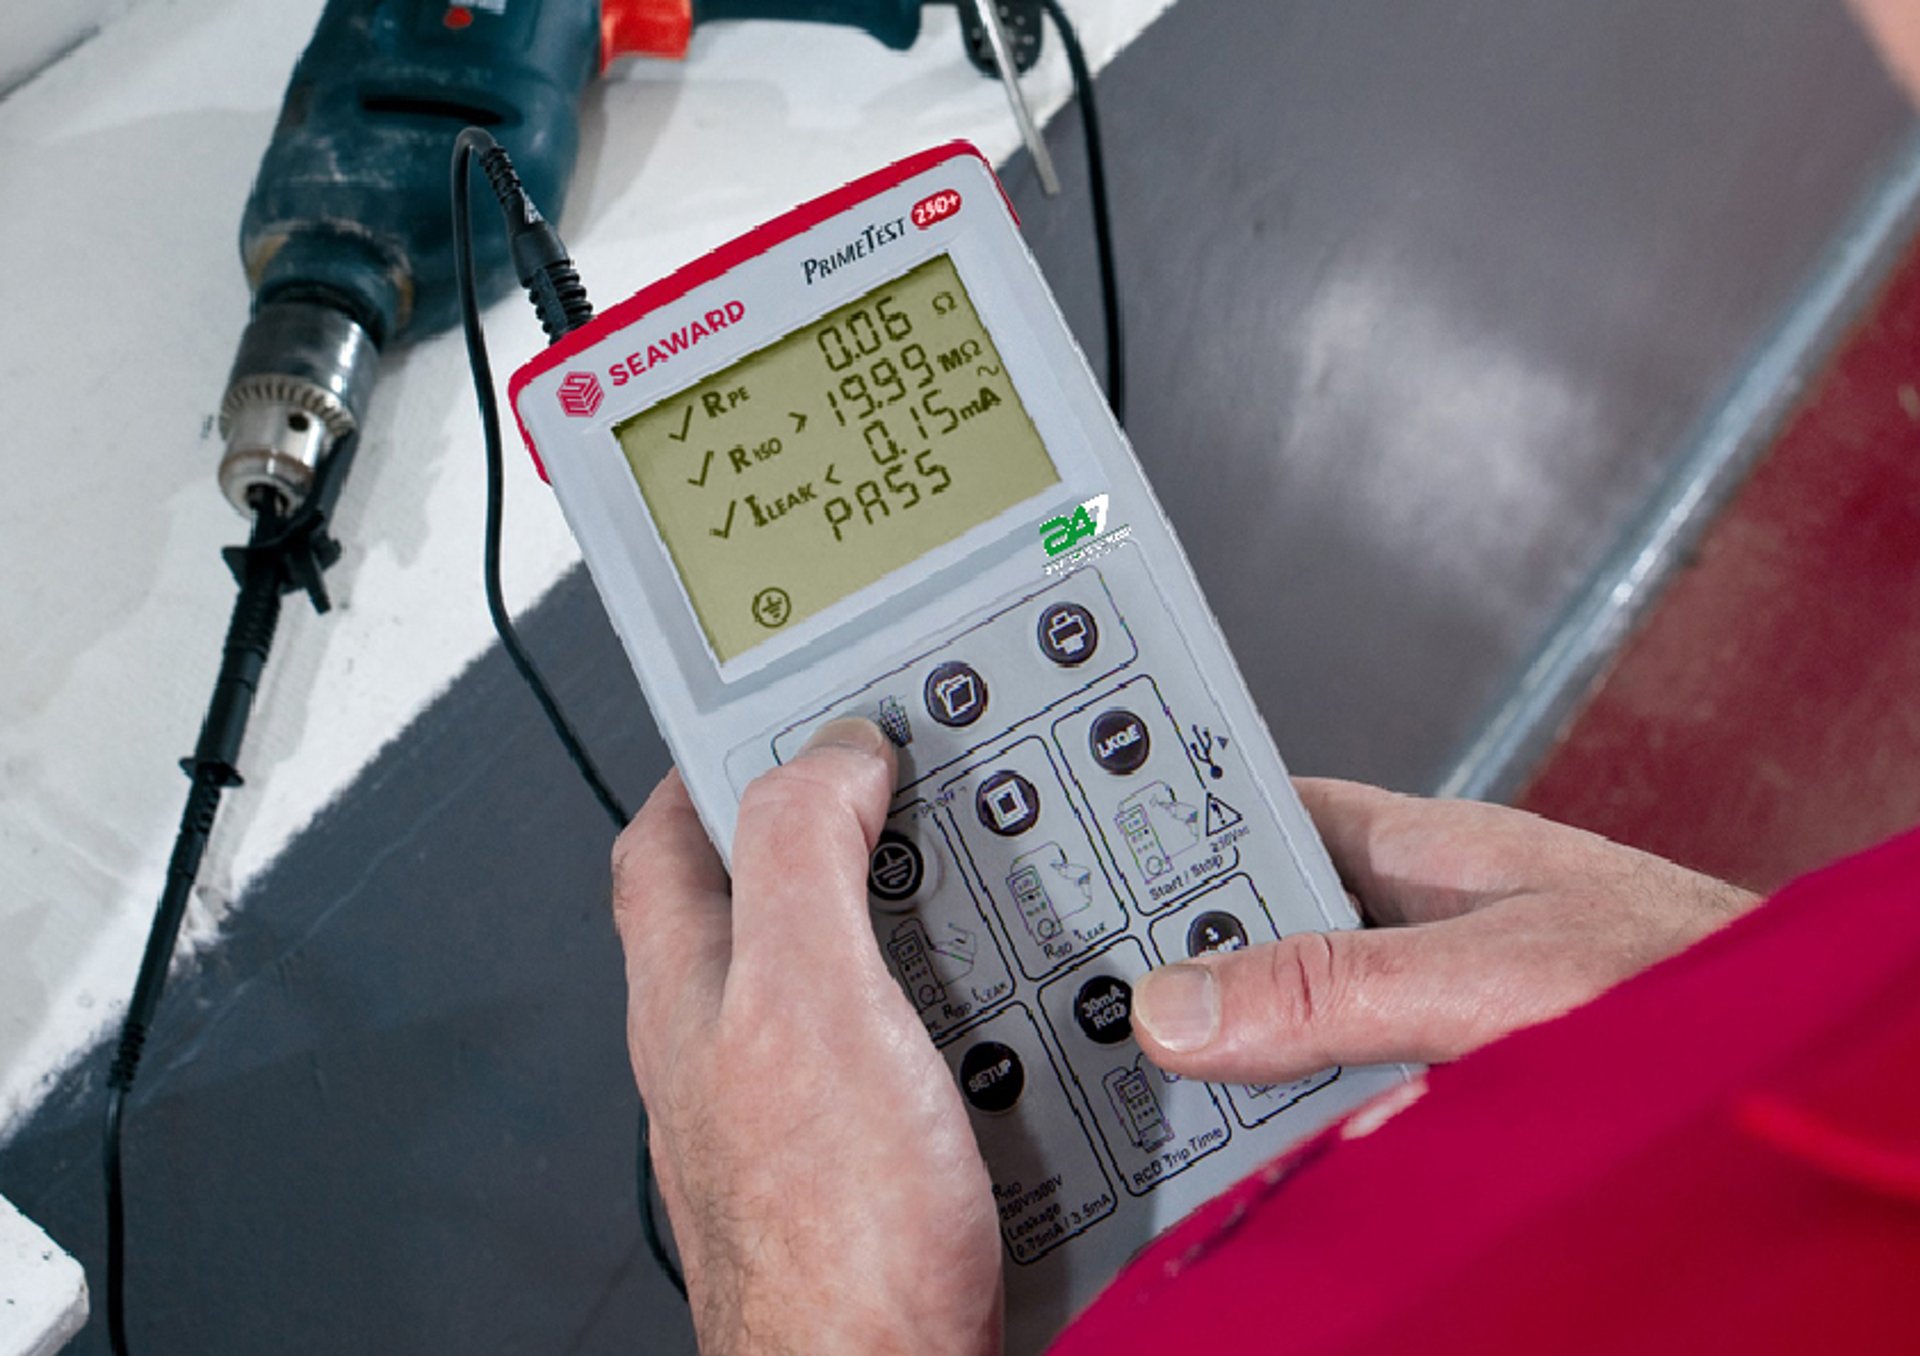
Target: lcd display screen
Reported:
point(834, 456)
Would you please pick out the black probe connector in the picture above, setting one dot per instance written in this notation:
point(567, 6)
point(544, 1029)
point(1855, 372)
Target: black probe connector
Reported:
point(539, 257)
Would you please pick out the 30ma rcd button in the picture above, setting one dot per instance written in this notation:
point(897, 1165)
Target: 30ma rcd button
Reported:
point(1104, 1009)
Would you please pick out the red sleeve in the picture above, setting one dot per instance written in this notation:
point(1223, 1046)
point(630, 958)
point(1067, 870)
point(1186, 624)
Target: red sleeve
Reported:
point(1721, 1155)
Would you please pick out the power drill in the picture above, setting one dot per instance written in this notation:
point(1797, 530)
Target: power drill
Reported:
point(346, 237)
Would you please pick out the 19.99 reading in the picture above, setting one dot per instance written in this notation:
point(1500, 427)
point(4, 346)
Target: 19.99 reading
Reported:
point(878, 369)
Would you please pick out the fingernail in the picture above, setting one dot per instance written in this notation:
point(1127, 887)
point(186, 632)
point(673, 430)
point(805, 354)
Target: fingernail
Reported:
point(849, 732)
point(1179, 1006)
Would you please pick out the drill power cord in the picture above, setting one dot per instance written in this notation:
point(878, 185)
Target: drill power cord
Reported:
point(560, 299)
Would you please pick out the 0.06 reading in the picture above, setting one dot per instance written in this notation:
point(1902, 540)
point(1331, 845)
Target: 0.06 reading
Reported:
point(861, 336)
point(900, 480)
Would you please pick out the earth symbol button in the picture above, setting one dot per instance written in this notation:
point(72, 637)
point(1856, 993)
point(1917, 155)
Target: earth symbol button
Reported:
point(896, 869)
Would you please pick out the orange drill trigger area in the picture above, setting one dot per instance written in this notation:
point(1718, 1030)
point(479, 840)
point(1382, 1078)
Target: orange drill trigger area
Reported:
point(658, 28)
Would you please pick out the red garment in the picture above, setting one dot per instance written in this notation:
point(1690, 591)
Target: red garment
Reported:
point(1721, 1155)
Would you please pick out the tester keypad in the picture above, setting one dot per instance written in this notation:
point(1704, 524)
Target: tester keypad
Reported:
point(1074, 810)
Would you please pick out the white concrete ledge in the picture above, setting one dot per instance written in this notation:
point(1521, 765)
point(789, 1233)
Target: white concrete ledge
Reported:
point(43, 1292)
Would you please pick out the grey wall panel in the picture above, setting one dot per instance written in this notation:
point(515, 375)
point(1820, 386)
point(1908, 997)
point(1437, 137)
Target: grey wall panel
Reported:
point(1422, 299)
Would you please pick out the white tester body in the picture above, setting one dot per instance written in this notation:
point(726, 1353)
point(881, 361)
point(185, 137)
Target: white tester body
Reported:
point(854, 463)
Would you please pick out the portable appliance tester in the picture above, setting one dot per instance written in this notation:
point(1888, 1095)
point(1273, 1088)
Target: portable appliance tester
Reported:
point(853, 463)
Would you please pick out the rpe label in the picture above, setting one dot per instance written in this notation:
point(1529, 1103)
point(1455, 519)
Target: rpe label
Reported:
point(936, 208)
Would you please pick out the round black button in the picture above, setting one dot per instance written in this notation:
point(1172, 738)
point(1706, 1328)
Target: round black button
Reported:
point(1104, 1010)
point(1007, 804)
point(992, 1077)
point(1215, 931)
point(1119, 741)
point(955, 694)
point(896, 868)
point(1067, 634)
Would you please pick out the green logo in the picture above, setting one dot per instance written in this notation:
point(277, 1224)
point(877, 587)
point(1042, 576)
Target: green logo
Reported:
point(1060, 535)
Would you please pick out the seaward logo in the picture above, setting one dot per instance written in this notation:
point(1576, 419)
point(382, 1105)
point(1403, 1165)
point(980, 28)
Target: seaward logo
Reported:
point(580, 394)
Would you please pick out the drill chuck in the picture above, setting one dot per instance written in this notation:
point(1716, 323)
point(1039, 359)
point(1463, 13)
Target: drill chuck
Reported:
point(299, 386)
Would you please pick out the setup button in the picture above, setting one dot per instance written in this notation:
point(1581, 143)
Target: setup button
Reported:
point(1067, 634)
point(992, 1077)
point(955, 694)
point(1118, 741)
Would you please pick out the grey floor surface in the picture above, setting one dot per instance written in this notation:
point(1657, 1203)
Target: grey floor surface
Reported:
point(1421, 301)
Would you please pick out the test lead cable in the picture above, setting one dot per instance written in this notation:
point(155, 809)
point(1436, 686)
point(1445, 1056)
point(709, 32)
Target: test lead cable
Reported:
point(560, 299)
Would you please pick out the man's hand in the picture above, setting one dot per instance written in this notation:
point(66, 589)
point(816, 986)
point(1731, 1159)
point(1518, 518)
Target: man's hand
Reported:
point(822, 1177)
point(1485, 920)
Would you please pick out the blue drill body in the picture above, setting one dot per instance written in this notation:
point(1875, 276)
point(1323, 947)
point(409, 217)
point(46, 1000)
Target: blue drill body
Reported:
point(347, 236)
point(350, 205)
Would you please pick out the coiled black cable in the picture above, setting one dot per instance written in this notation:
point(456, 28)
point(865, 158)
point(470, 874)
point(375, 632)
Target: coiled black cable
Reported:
point(263, 570)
